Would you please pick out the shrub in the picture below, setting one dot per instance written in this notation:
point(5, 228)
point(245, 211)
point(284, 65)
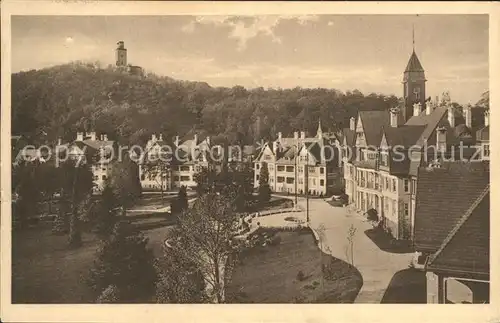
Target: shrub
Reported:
point(301, 276)
point(109, 295)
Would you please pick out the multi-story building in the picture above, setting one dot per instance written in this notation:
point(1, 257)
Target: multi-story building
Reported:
point(154, 165)
point(170, 165)
point(299, 164)
point(383, 151)
point(97, 151)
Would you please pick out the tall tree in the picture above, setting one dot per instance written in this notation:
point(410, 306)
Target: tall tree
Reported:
point(26, 186)
point(204, 238)
point(76, 185)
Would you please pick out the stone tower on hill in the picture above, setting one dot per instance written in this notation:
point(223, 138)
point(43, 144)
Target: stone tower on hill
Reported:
point(121, 54)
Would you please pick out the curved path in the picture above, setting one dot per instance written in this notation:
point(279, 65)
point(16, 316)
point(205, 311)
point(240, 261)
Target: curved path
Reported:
point(376, 266)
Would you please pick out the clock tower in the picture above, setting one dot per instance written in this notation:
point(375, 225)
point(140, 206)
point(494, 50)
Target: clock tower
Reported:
point(413, 84)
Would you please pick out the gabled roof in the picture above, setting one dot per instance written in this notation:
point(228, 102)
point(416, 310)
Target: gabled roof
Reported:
point(414, 64)
point(373, 121)
point(483, 134)
point(406, 135)
point(350, 136)
point(400, 139)
point(466, 248)
point(444, 195)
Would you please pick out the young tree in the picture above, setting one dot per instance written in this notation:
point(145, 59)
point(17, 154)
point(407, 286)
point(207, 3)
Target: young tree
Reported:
point(263, 174)
point(204, 238)
point(125, 268)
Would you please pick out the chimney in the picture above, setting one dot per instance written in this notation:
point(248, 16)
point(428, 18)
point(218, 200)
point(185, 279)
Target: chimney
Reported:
point(153, 137)
point(394, 117)
point(208, 140)
point(468, 116)
point(195, 138)
point(295, 135)
point(451, 116)
point(176, 141)
point(279, 136)
point(79, 136)
point(105, 137)
point(441, 139)
point(486, 118)
point(275, 147)
point(417, 108)
point(302, 135)
point(429, 107)
point(161, 137)
point(352, 124)
point(59, 141)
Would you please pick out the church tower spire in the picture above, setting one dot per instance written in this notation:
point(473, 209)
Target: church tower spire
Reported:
point(413, 83)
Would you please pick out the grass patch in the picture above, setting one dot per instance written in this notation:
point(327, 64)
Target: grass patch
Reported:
point(46, 271)
point(269, 274)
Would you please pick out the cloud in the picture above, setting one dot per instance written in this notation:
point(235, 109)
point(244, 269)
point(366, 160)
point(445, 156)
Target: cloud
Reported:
point(330, 23)
point(245, 28)
point(69, 40)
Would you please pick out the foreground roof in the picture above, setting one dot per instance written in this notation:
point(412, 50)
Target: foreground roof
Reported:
point(444, 195)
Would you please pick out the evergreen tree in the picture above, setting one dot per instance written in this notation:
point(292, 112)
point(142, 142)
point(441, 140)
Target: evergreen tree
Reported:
point(126, 263)
point(264, 189)
point(105, 215)
point(182, 199)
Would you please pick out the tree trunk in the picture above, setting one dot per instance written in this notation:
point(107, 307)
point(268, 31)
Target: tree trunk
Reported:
point(75, 238)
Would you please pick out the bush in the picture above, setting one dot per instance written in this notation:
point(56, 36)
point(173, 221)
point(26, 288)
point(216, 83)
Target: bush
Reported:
point(109, 295)
point(301, 276)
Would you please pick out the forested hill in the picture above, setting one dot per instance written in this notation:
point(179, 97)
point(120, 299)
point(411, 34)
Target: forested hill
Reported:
point(61, 100)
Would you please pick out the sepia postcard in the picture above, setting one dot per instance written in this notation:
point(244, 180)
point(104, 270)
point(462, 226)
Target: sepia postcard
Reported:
point(248, 162)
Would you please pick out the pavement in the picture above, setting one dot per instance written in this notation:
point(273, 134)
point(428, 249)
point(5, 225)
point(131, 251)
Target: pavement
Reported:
point(377, 267)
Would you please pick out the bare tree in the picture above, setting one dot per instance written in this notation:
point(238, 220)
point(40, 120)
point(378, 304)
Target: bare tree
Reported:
point(204, 237)
point(350, 238)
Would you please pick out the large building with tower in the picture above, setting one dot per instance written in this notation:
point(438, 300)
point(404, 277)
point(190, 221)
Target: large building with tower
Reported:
point(384, 150)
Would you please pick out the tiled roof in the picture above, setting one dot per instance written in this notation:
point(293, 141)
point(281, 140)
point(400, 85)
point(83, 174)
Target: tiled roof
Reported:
point(443, 196)
point(373, 121)
point(349, 136)
point(414, 64)
point(405, 135)
point(483, 134)
point(466, 248)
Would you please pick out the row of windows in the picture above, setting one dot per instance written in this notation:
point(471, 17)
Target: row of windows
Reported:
point(375, 181)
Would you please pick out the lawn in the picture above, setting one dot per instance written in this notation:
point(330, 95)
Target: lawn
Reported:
point(45, 270)
point(270, 274)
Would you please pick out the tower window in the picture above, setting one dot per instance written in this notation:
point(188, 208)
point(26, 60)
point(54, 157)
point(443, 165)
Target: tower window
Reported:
point(416, 91)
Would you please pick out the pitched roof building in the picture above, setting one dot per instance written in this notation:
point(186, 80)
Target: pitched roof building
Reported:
point(452, 230)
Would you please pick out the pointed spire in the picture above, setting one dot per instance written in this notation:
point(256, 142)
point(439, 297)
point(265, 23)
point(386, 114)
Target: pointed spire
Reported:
point(319, 133)
point(413, 36)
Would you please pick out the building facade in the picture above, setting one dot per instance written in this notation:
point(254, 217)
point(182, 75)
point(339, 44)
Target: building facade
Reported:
point(299, 164)
point(96, 151)
point(383, 150)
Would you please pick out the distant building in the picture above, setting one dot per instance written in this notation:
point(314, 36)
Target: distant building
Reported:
point(97, 151)
point(121, 60)
point(181, 160)
point(299, 164)
point(452, 231)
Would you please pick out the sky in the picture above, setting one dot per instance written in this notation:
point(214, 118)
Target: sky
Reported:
point(344, 52)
